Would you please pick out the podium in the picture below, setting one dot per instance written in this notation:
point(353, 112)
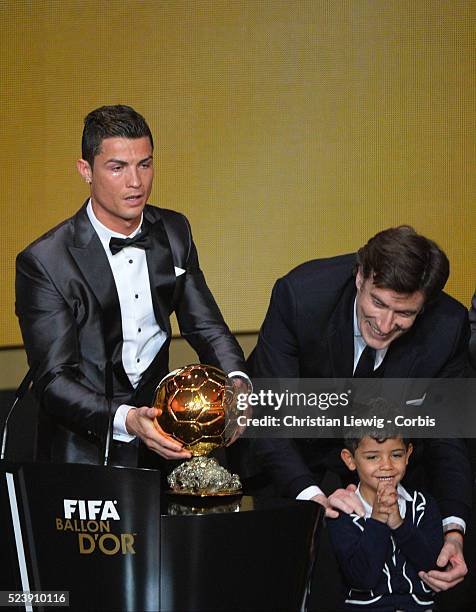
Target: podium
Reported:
point(90, 530)
point(105, 535)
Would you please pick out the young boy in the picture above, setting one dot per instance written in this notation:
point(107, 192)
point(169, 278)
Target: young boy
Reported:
point(400, 535)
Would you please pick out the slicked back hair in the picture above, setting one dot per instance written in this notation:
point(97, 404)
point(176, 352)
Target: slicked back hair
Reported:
point(111, 122)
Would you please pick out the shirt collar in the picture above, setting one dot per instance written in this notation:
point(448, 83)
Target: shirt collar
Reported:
point(403, 497)
point(104, 233)
point(359, 343)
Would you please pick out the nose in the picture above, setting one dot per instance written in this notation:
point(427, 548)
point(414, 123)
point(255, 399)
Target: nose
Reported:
point(133, 177)
point(385, 463)
point(387, 322)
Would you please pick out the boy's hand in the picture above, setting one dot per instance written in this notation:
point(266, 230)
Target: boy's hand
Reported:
point(385, 508)
point(379, 513)
point(389, 500)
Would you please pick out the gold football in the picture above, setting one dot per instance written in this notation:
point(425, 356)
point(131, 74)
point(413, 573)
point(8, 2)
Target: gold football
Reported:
point(197, 408)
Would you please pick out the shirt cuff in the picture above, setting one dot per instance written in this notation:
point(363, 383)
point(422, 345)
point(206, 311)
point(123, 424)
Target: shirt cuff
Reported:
point(241, 375)
point(119, 430)
point(452, 522)
point(309, 493)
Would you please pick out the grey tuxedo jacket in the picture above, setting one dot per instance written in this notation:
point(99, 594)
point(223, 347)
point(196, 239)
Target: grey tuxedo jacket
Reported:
point(69, 313)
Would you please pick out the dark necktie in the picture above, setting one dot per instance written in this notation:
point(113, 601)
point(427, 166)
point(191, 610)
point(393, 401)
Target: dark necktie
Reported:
point(140, 240)
point(365, 367)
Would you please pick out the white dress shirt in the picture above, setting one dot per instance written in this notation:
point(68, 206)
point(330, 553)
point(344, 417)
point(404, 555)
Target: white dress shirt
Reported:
point(142, 337)
point(359, 345)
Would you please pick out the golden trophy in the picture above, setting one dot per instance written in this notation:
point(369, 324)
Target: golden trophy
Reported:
point(197, 406)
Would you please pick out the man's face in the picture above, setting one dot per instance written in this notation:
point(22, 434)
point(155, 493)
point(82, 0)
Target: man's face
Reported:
point(121, 181)
point(377, 462)
point(383, 314)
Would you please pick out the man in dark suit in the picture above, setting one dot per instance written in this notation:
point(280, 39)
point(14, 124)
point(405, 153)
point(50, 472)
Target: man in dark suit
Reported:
point(472, 342)
point(95, 293)
point(381, 312)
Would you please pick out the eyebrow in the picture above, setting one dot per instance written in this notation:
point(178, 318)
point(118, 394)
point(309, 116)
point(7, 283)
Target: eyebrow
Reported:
point(405, 310)
point(121, 162)
point(400, 448)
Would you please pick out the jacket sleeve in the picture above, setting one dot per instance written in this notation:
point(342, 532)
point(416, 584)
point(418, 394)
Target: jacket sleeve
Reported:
point(277, 356)
point(50, 335)
point(448, 468)
point(277, 352)
point(472, 321)
point(200, 320)
point(361, 554)
point(458, 364)
point(446, 460)
point(421, 544)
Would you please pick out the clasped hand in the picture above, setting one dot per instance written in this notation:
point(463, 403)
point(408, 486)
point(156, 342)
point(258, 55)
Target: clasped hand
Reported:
point(385, 508)
point(450, 560)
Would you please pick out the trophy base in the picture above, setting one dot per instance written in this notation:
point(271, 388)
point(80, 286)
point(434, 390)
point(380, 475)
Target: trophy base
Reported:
point(206, 494)
point(203, 477)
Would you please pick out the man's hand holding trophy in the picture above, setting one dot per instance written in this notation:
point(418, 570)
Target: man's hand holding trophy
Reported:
point(197, 407)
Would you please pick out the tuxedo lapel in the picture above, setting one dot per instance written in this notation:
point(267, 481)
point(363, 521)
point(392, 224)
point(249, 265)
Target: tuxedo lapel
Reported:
point(89, 255)
point(161, 271)
point(340, 337)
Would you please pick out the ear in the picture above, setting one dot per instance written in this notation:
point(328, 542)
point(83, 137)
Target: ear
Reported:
point(409, 452)
point(348, 458)
point(359, 278)
point(84, 170)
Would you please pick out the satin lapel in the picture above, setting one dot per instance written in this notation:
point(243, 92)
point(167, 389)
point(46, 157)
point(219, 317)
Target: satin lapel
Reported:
point(340, 337)
point(91, 259)
point(161, 271)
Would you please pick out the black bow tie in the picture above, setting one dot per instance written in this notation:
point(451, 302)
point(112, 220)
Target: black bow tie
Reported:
point(140, 240)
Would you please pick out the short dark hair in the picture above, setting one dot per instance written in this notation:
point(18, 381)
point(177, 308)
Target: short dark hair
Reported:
point(352, 444)
point(401, 260)
point(376, 406)
point(110, 122)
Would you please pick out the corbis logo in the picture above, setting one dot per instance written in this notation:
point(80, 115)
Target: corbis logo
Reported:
point(91, 519)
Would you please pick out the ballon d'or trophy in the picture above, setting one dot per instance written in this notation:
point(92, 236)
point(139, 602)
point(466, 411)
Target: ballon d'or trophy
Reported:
point(198, 409)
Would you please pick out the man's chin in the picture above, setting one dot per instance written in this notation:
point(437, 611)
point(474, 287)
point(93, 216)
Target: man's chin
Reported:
point(379, 343)
point(132, 214)
point(132, 210)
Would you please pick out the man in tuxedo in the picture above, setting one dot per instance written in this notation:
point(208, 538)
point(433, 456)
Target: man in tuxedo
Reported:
point(94, 295)
point(381, 312)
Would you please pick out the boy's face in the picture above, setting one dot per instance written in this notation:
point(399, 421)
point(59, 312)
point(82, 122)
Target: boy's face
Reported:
point(377, 462)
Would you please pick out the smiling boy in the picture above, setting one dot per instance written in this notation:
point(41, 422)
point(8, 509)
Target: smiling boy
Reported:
point(401, 534)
